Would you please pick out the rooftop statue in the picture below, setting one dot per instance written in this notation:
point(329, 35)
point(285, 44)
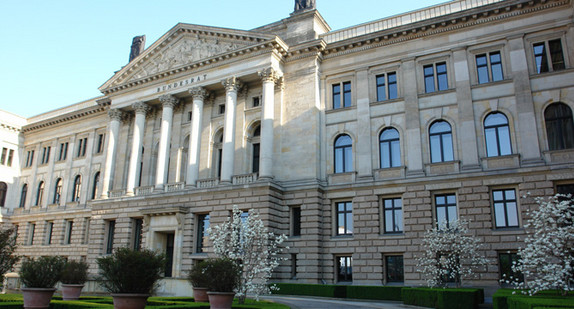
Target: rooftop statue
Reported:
point(301, 5)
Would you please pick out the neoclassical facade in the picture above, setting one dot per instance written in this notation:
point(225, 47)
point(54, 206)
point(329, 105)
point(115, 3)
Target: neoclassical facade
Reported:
point(352, 142)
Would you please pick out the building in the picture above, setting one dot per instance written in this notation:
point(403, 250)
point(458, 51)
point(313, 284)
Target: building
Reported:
point(353, 142)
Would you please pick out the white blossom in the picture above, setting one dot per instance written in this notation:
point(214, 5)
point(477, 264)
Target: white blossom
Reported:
point(451, 255)
point(547, 260)
point(248, 241)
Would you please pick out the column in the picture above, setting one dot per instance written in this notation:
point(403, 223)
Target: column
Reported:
point(412, 146)
point(269, 77)
point(199, 94)
point(232, 86)
point(140, 109)
point(168, 102)
point(363, 145)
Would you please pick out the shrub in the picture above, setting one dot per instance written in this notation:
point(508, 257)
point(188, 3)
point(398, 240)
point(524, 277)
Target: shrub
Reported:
point(323, 290)
point(75, 272)
point(222, 275)
point(43, 272)
point(443, 298)
point(375, 292)
point(131, 271)
point(511, 299)
point(197, 276)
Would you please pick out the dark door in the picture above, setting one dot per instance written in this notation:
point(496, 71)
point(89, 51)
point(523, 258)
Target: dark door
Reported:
point(169, 254)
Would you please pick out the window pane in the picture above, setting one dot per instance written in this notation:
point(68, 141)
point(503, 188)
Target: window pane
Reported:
point(556, 54)
point(398, 220)
point(388, 221)
point(497, 195)
point(385, 155)
point(396, 153)
point(512, 213)
point(504, 135)
point(500, 215)
point(435, 149)
point(348, 159)
point(440, 215)
point(336, 96)
point(393, 93)
point(540, 58)
point(394, 267)
point(381, 94)
point(491, 142)
point(339, 160)
point(482, 75)
point(429, 78)
point(452, 214)
point(448, 150)
point(347, 94)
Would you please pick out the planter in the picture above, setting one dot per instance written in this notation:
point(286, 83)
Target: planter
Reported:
point(200, 295)
point(220, 300)
point(37, 298)
point(71, 291)
point(130, 301)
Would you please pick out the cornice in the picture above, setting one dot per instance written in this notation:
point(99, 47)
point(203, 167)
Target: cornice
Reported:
point(438, 25)
point(97, 109)
point(9, 127)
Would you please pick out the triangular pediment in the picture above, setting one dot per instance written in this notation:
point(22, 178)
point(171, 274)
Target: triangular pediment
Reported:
point(183, 45)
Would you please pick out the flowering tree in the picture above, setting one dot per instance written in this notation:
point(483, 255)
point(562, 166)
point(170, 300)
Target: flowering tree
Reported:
point(7, 248)
point(547, 260)
point(246, 240)
point(451, 254)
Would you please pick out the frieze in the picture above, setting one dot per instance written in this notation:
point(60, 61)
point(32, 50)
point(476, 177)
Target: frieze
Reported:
point(186, 82)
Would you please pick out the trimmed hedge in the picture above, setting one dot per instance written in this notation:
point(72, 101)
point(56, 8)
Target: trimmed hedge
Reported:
point(374, 292)
point(443, 298)
point(505, 299)
point(323, 290)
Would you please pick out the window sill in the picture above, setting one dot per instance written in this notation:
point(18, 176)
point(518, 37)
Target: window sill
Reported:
point(340, 109)
point(500, 162)
point(440, 168)
point(392, 235)
point(390, 173)
point(430, 94)
point(346, 237)
point(546, 74)
point(342, 178)
point(559, 156)
point(508, 230)
point(498, 82)
point(400, 99)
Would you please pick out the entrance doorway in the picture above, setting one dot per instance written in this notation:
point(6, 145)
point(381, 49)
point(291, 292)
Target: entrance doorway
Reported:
point(169, 254)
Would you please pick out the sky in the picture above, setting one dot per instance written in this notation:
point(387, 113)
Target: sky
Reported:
point(57, 53)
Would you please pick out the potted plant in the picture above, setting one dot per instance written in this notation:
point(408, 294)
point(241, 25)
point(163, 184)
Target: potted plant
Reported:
point(223, 277)
point(39, 277)
point(74, 275)
point(198, 279)
point(130, 276)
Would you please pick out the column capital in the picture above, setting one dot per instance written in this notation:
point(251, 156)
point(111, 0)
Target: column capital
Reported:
point(198, 93)
point(168, 100)
point(232, 84)
point(115, 114)
point(268, 75)
point(140, 108)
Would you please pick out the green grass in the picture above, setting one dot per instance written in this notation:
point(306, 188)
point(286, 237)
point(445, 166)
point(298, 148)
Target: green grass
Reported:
point(515, 299)
point(14, 301)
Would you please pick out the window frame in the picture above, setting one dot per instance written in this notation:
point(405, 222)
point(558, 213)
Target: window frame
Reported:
point(393, 209)
point(345, 150)
point(348, 223)
point(347, 275)
point(63, 151)
point(513, 256)
point(386, 86)
point(392, 144)
point(40, 193)
point(497, 139)
point(387, 277)
point(447, 205)
point(559, 126)
point(58, 191)
point(100, 144)
point(69, 230)
point(76, 188)
point(547, 57)
point(201, 232)
point(3, 193)
point(81, 147)
point(505, 201)
point(296, 221)
point(137, 233)
point(441, 135)
point(110, 235)
point(436, 76)
point(489, 64)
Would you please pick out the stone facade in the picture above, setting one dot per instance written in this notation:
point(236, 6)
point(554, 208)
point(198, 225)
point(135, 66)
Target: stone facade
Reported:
point(352, 142)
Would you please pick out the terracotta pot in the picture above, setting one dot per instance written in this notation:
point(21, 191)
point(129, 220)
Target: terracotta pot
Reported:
point(37, 298)
point(220, 300)
point(130, 301)
point(200, 295)
point(71, 291)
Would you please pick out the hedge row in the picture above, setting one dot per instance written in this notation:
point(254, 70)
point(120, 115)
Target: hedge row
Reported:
point(511, 299)
point(434, 298)
point(443, 298)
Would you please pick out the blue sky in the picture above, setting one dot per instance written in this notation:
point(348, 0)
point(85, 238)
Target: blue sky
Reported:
point(56, 53)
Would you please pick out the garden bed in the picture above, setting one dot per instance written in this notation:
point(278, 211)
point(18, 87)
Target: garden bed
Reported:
point(515, 299)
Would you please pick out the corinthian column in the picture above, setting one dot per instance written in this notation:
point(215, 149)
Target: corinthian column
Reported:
point(269, 77)
point(113, 134)
point(199, 94)
point(168, 102)
point(139, 124)
point(232, 86)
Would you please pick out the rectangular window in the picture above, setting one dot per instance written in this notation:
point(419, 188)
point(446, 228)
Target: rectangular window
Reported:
point(548, 61)
point(344, 218)
point(45, 154)
point(69, 228)
point(342, 98)
point(445, 209)
point(435, 77)
point(296, 221)
point(111, 226)
point(189, 116)
point(293, 266)
point(138, 232)
point(4, 156)
point(489, 67)
point(100, 145)
point(393, 215)
point(505, 208)
point(505, 261)
point(255, 158)
point(394, 268)
point(29, 158)
point(344, 268)
point(256, 102)
point(10, 157)
point(31, 230)
point(82, 143)
point(565, 189)
point(49, 229)
point(387, 86)
point(63, 151)
point(222, 109)
point(202, 235)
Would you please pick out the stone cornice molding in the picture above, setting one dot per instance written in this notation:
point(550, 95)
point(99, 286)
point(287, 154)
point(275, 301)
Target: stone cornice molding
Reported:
point(168, 100)
point(198, 93)
point(141, 108)
point(268, 75)
point(446, 23)
point(9, 127)
point(115, 114)
point(86, 112)
point(232, 84)
point(104, 101)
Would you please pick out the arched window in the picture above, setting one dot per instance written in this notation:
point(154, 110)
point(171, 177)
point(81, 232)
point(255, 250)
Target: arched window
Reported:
point(3, 191)
point(343, 154)
point(57, 191)
point(23, 194)
point(559, 126)
point(255, 149)
point(40, 194)
point(440, 135)
point(390, 148)
point(77, 187)
point(95, 186)
point(497, 135)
